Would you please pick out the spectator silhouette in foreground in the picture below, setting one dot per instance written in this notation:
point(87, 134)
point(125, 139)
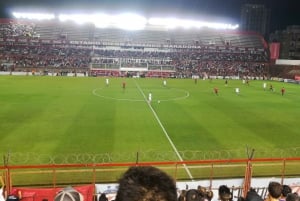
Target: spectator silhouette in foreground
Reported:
point(252, 195)
point(285, 191)
point(146, 183)
point(292, 197)
point(224, 193)
point(103, 197)
point(274, 190)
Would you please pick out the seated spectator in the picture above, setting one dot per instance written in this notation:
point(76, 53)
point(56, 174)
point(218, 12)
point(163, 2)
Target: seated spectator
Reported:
point(205, 194)
point(192, 195)
point(146, 183)
point(182, 195)
point(224, 193)
point(285, 191)
point(103, 197)
point(274, 190)
point(253, 196)
point(292, 197)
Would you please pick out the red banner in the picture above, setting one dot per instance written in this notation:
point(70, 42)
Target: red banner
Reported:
point(297, 77)
point(274, 50)
point(40, 194)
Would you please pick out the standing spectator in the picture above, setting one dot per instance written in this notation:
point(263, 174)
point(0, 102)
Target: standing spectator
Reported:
point(146, 183)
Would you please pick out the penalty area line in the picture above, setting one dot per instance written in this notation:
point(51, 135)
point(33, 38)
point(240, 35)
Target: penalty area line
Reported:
point(165, 132)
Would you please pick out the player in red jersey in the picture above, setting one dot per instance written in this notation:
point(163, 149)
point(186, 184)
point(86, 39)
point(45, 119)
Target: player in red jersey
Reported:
point(216, 90)
point(282, 91)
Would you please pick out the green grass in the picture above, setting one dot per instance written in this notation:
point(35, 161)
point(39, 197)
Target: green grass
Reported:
point(49, 117)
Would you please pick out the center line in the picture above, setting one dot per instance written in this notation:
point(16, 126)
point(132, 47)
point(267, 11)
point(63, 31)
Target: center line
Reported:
point(164, 130)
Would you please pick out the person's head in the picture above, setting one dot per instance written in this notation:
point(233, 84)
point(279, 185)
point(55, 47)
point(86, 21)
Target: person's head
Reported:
point(292, 197)
point(68, 194)
point(275, 189)
point(103, 197)
point(286, 190)
point(146, 183)
point(224, 193)
point(252, 195)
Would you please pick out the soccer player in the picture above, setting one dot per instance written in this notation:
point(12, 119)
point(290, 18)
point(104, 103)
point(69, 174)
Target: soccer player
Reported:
point(107, 81)
point(216, 90)
point(264, 86)
point(282, 91)
point(226, 82)
point(237, 91)
point(150, 97)
point(271, 87)
point(124, 85)
point(247, 82)
point(165, 83)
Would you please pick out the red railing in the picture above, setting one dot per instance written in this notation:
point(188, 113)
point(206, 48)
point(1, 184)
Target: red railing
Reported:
point(9, 171)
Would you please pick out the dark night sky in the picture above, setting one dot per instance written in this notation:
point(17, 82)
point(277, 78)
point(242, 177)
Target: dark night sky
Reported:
point(283, 12)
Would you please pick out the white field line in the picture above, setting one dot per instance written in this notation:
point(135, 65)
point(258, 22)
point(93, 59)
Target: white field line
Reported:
point(164, 130)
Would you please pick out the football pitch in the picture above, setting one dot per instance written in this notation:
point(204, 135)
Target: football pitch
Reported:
point(82, 115)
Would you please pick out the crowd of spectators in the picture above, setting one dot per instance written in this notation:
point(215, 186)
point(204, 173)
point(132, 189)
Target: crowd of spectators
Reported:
point(149, 183)
point(15, 29)
point(187, 62)
point(44, 56)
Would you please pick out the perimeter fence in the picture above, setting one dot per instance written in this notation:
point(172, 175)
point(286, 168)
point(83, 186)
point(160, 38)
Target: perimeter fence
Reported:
point(23, 158)
point(32, 169)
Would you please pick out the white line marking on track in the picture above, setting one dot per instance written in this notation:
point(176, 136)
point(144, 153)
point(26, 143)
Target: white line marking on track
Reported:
point(164, 130)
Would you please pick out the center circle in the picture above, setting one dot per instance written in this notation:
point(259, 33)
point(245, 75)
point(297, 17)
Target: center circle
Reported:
point(158, 94)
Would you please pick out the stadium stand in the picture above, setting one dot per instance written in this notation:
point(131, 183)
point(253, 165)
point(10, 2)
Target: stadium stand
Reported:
point(67, 47)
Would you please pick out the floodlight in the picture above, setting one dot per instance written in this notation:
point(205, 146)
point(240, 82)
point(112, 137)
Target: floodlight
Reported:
point(34, 16)
point(77, 18)
point(165, 22)
point(129, 21)
point(101, 20)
